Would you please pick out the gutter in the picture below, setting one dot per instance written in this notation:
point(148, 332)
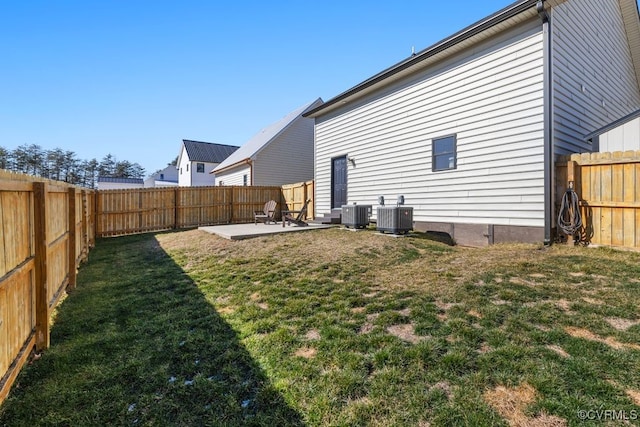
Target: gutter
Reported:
point(548, 124)
point(236, 164)
point(471, 31)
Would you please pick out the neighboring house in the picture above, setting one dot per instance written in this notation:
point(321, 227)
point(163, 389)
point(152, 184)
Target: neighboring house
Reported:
point(109, 183)
point(621, 135)
point(167, 177)
point(197, 159)
point(281, 153)
point(468, 129)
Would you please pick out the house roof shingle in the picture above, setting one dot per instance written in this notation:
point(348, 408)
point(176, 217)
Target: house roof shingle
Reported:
point(207, 152)
point(266, 135)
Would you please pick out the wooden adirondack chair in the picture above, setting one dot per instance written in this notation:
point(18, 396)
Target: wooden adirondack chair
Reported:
point(267, 214)
point(296, 217)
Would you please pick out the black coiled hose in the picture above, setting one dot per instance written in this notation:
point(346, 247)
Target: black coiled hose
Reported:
point(569, 217)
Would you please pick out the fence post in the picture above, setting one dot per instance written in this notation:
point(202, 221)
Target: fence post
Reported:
point(71, 239)
point(97, 204)
point(85, 225)
point(571, 173)
point(40, 249)
point(231, 205)
point(176, 209)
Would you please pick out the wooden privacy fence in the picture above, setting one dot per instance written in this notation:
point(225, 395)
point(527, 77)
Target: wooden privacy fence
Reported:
point(608, 185)
point(46, 231)
point(294, 196)
point(49, 227)
point(120, 212)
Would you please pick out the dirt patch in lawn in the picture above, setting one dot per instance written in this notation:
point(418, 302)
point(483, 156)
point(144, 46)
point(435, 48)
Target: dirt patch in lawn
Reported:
point(306, 352)
point(313, 335)
point(559, 350)
point(406, 312)
point(634, 395)
point(443, 386)
point(564, 305)
point(621, 324)
point(521, 281)
point(406, 333)
point(368, 326)
point(227, 310)
point(445, 306)
point(610, 341)
point(511, 404)
point(484, 348)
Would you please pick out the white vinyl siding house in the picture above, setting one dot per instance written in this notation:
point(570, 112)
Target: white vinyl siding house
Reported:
point(491, 100)
point(279, 154)
point(293, 151)
point(620, 135)
point(491, 89)
point(235, 176)
point(167, 177)
point(623, 138)
point(595, 81)
point(197, 159)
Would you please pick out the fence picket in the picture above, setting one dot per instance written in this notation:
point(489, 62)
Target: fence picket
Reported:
point(608, 187)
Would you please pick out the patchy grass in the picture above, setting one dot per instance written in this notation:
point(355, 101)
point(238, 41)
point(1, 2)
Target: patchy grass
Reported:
point(337, 328)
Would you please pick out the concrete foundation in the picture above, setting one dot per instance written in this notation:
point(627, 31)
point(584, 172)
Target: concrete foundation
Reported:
point(483, 234)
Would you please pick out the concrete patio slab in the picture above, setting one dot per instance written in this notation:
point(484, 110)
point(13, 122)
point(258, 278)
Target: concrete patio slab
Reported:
point(248, 231)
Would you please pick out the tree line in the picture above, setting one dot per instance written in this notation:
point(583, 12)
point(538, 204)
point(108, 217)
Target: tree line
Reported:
point(64, 165)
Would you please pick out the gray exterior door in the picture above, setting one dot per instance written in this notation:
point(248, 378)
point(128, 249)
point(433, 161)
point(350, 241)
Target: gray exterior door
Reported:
point(338, 182)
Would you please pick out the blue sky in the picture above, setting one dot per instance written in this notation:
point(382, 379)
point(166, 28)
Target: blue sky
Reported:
point(134, 77)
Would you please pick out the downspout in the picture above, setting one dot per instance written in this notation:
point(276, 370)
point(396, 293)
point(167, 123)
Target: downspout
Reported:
point(548, 122)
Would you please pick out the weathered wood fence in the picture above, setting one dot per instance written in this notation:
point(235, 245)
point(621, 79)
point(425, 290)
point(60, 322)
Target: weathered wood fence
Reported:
point(120, 212)
point(46, 231)
point(608, 185)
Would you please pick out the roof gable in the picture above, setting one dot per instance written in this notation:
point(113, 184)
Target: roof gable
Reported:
point(198, 151)
point(260, 140)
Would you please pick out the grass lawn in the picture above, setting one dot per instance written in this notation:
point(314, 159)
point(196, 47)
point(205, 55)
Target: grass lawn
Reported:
point(334, 327)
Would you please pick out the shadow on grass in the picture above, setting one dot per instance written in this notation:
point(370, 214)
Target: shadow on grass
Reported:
point(138, 344)
point(435, 236)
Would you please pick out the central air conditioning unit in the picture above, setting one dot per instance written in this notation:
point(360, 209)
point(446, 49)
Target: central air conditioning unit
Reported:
point(356, 216)
point(395, 219)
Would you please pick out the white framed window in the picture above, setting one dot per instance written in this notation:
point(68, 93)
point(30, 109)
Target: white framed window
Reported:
point(199, 167)
point(245, 179)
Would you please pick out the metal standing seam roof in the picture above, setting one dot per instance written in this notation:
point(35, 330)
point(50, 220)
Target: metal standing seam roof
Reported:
point(121, 180)
point(265, 136)
point(207, 152)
